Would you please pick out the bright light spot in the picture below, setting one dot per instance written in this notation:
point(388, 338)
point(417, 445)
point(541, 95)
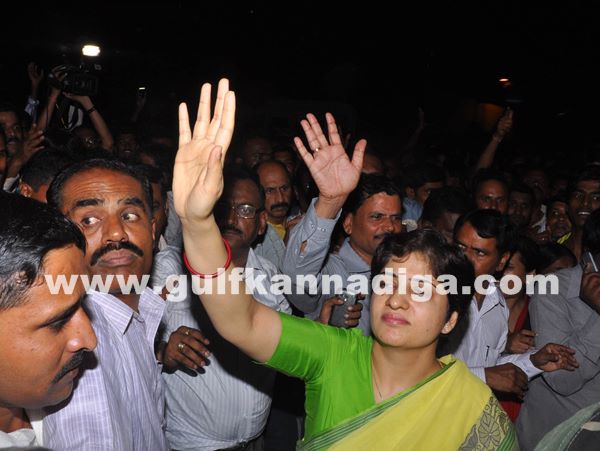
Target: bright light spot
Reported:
point(90, 50)
point(503, 80)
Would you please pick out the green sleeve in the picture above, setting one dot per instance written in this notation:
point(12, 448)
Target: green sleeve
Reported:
point(304, 347)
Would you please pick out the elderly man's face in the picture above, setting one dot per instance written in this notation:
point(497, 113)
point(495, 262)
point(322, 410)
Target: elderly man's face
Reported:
point(43, 341)
point(112, 212)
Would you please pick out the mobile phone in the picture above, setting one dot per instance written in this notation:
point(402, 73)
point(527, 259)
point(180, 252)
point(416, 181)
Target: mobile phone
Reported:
point(337, 314)
point(586, 258)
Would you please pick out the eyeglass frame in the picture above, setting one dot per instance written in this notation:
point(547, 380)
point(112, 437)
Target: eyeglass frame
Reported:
point(231, 206)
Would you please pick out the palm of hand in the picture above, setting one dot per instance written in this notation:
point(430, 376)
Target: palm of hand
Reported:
point(198, 171)
point(190, 171)
point(333, 171)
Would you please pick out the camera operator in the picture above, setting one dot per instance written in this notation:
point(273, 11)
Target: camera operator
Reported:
point(98, 137)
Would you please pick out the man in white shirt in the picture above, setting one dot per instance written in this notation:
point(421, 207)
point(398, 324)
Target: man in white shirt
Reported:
point(119, 401)
point(224, 404)
point(44, 336)
point(483, 236)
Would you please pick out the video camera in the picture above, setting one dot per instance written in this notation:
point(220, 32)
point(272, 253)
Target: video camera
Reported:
point(79, 79)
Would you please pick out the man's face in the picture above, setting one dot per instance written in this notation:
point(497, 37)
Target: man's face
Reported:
point(110, 209)
point(379, 216)
point(256, 150)
point(557, 220)
point(445, 224)
point(45, 339)
point(126, 145)
point(13, 131)
point(482, 252)
point(584, 199)
point(278, 191)
point(492, 195)
point(520, 208)
point(240, 231)
point(538, 182)
point(422, 192)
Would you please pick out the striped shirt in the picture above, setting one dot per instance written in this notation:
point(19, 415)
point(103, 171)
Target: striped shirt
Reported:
point(118, 401)
point(226, 403)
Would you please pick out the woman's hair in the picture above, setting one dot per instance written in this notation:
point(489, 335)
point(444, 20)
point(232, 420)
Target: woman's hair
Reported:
point(443, 258)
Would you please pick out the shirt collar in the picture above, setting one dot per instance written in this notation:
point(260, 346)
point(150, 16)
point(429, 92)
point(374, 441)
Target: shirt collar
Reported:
point(151, 307)
point(353, 262)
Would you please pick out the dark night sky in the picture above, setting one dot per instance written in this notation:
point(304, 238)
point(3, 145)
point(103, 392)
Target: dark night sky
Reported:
point(383, 63)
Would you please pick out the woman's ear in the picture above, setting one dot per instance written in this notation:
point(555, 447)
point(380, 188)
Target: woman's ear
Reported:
point(451, 323)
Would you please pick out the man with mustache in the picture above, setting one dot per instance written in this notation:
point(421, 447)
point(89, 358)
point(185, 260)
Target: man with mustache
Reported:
point(277, 185)
point(119, 401)
point(50, 329)
point(13, 129)
point(584, 198)
point(224, 404)
point(372, 210)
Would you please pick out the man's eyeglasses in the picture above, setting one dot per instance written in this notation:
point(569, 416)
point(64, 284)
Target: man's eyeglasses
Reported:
point(245, 211)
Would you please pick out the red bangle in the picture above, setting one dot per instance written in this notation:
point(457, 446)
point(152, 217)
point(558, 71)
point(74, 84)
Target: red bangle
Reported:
point(214, 274)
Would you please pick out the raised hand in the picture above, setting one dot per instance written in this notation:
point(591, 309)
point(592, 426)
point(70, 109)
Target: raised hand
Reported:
point(504, 125)
point(35, 76)
point(554, 357)
point(333, 172)
point(198, 171)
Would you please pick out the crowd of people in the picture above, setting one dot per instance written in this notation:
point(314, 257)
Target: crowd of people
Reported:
point(501, 362)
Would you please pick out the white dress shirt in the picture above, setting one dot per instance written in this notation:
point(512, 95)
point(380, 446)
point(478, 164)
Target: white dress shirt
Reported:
point(485, 340)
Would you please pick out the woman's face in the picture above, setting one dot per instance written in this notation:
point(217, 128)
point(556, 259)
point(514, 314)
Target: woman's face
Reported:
point(398, 320)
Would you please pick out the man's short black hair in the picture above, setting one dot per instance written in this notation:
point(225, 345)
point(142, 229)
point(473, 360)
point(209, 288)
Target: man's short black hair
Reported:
point(589, 173)
point(54, 194)
point(368, 186)
point(154, 175)
point(44, 166)
point(234, 172)
point(488, 224)
point(441, 200)
point(28, 231)
point(523, 189)
point(484, 175)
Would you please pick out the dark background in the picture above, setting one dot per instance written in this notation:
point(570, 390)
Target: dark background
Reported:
point(374, 62)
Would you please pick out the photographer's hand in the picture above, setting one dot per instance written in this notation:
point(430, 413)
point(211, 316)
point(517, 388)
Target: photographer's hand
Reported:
point(35, 76)
point(46, 113)
point(106, 138)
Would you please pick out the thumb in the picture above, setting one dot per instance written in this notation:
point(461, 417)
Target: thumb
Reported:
point(359, 153)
